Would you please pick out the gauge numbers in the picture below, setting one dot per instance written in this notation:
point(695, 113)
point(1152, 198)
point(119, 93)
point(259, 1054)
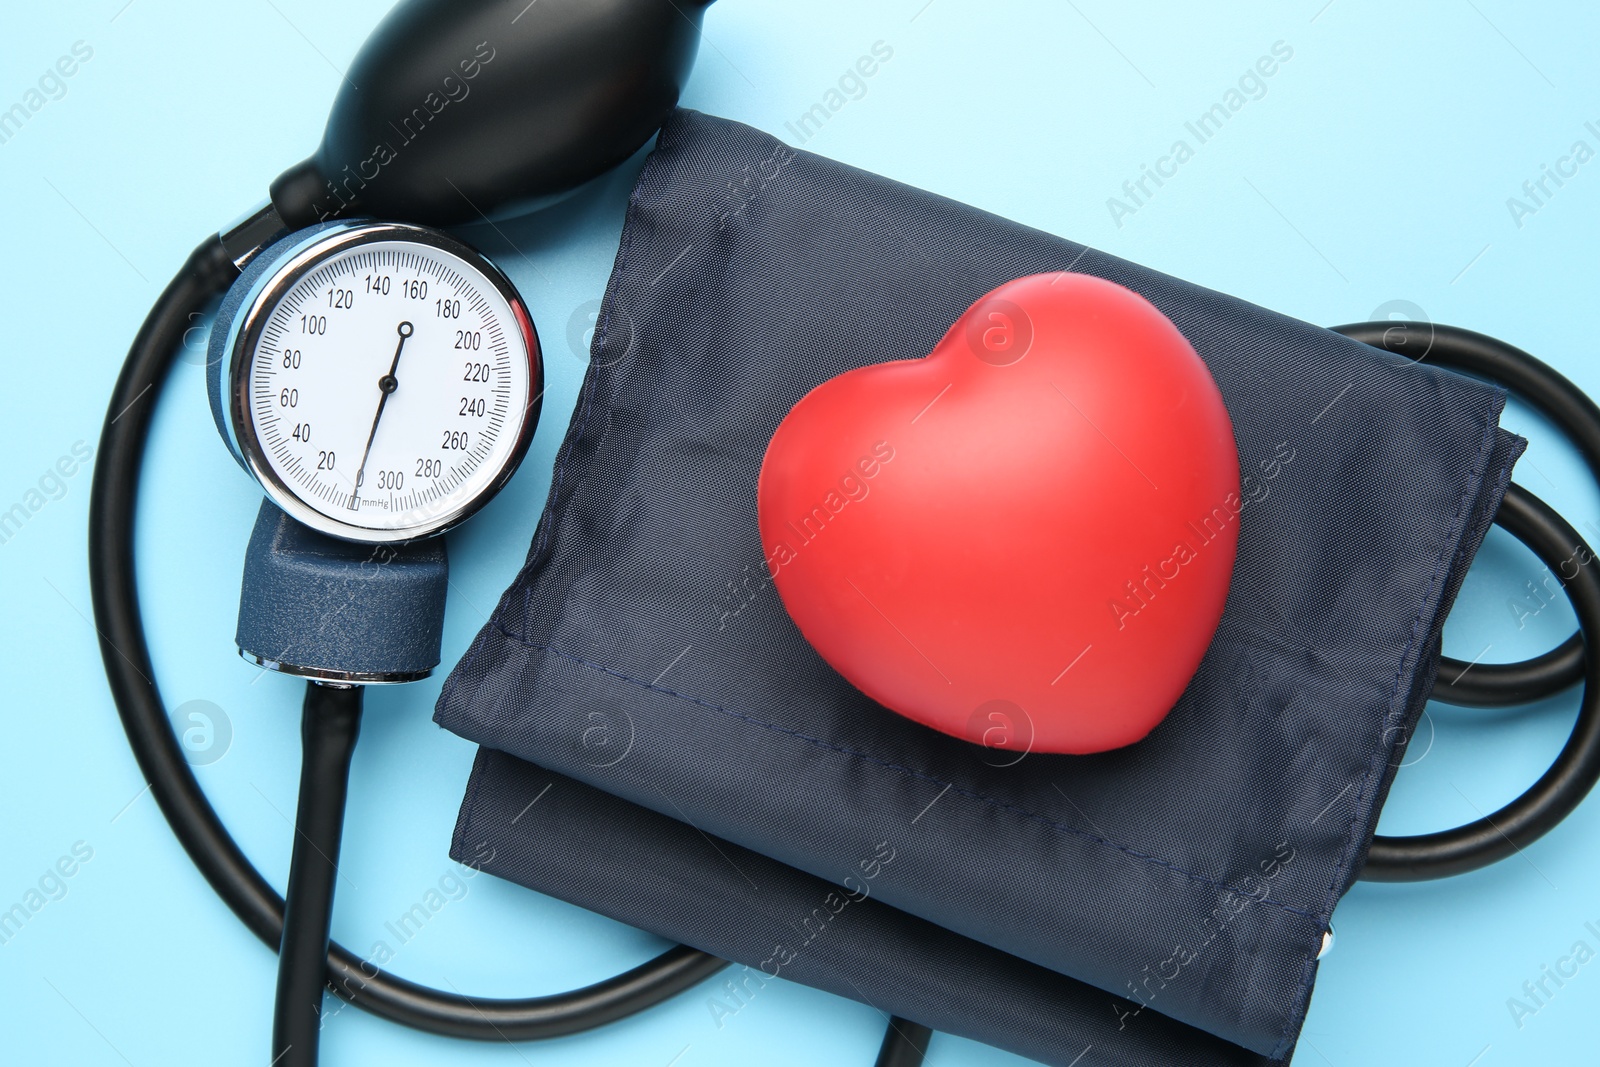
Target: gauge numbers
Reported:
point(389, 385)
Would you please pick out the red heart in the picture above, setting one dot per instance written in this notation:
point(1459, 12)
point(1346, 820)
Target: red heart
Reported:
point(1023, 539)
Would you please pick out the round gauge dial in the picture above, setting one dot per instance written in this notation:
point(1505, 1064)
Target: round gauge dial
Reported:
point(385, 382)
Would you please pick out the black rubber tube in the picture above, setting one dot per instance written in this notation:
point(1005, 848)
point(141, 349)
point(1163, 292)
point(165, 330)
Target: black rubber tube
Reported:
point(329, 725)
point(1575, 770)
point(113, 498)
point(905, 1043)
point(1488, 685)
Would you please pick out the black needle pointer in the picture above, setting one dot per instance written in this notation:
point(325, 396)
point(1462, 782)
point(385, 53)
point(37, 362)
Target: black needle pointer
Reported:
point(386, 385)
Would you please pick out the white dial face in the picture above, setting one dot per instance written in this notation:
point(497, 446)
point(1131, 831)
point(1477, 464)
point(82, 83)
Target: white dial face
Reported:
point(388, 389)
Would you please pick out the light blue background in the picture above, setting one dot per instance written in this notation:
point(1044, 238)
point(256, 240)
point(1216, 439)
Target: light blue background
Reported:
point(1376, 167)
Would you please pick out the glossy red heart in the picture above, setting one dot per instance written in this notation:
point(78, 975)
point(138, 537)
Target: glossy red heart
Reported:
point(1023, 539)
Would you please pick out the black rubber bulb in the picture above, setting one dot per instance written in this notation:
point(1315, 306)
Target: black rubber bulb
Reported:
point(456, 109)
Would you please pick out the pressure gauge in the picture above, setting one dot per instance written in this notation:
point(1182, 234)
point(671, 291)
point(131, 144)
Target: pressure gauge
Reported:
point(380, 380)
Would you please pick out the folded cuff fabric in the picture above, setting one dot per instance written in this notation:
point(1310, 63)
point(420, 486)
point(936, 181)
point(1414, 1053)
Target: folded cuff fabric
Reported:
point(718, 783)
